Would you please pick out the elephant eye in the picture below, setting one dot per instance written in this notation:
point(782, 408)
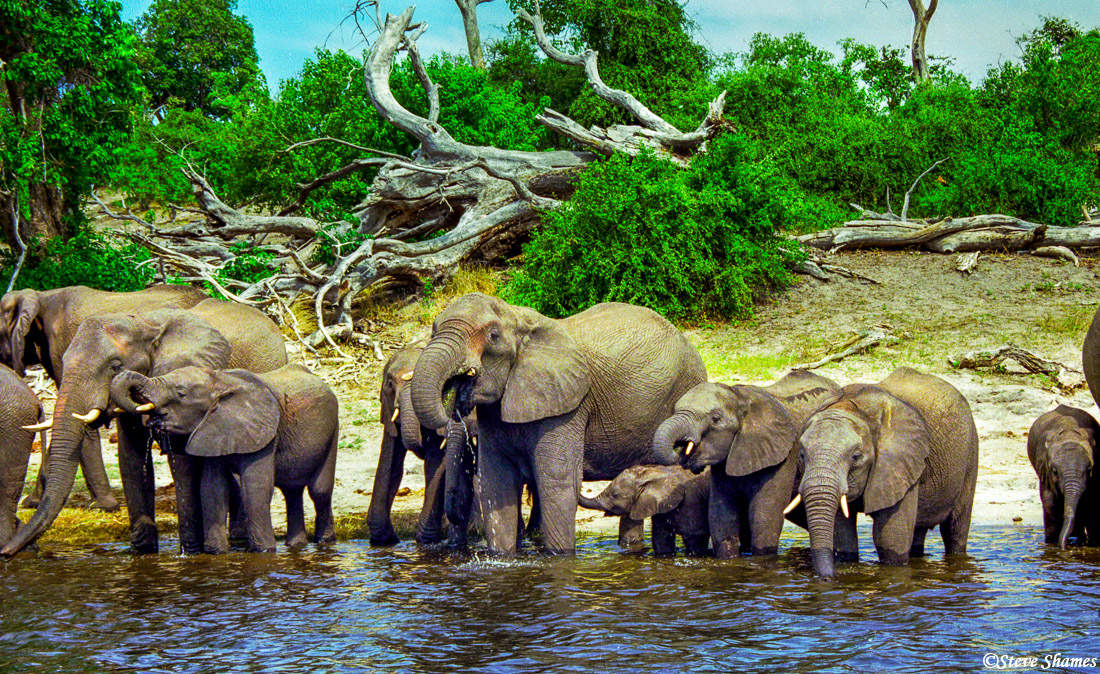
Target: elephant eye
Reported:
point(857, 456)
point(716, 416)
point(493, 335)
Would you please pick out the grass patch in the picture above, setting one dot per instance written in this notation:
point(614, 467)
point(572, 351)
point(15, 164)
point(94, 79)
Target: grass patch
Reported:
point(730, 366)
point(82, 526)
point(1067, 320)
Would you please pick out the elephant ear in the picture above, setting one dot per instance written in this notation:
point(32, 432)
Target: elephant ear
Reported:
point(184, 339)
point(23, 316)
point(243, 419)
point(767, 433)
point(550, 376)
point(658, 497)
point(902, 445)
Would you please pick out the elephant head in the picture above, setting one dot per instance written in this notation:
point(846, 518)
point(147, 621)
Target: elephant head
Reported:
point(743, 427)
point(1061, 446)
point(640, 492)
point(868, 449)
point(221, 413)
point(485, 351)
point(18, 312)
point(398, 417)
point(103, 346)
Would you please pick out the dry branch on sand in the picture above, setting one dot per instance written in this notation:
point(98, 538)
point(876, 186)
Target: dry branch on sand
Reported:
point(879, 335)
point(1065, 378)
point(484, 199)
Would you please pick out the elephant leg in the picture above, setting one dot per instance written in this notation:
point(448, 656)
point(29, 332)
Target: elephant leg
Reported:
point(135, 464)
point(845, 539)
point(429, 528)
point(631, 534)
point(320, 492)
point(238, 521)
point(387, 480)
point(893, 528)
point(295, 517)
point(664, 536)
point(955, 530)
point(187, 472)
point(257, 472)
point(216, 486)
point(534, 521)
point(501, 481)
point(1052, 515)
point(95, 473)
point(696, 545)
point(917, 548)
point(557, 464)
point(765, 507)
point(724, 517)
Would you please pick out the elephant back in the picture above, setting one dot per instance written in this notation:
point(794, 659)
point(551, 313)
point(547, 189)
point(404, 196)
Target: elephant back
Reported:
point(802, 392)
point(258, 346)
point(309, 415)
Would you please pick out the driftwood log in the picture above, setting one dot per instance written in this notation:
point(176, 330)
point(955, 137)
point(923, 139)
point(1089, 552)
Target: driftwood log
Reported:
point(1063, 376)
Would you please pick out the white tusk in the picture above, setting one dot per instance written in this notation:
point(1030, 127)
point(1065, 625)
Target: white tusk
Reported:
point(407, 376)
point(40, 426)
point(443, 444)
point(147, 407)
point(691, 446)
point(472, 372)
point(473, 441)
point(89, 417)
point(117, 411)
point(793, 504)
point(844, 505)
point(396, 411)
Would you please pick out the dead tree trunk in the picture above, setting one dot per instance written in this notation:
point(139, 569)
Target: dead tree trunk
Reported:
point(921, 17)
point(468, 9)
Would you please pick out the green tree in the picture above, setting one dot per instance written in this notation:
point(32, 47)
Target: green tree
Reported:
point(68, 92)
point(195, 52)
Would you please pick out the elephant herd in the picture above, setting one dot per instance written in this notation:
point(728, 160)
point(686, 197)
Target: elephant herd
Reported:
point(500, 398)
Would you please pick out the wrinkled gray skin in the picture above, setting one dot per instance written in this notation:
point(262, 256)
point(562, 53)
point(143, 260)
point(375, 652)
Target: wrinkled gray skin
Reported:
point(276, 429)
point(905, 452)
point(18, 407)
point(36, 327)
point(1062, 448)
point(214, 334)
point(748, 436)
point(557, 401)
point(404, 434)
point(675, 499)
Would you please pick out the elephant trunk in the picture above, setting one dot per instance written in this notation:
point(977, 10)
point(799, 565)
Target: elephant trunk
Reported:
point(122, 390)
point(68, 434)
point(591, 503)
point(1071, 497)
point(459, 495)
point(821, 500)
point(675, 429)
point(442, 359)
point(409, 422)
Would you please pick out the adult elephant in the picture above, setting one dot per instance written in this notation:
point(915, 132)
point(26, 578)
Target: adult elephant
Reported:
point(748, 435)
point(905, 452)
point(37, 327)
point(19, 409)
point(557, 401)
point(214, 334)
point(402, 432)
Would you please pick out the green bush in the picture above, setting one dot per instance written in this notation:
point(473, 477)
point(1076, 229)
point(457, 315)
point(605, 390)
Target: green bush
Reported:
point(687, 244)
point(87, 259)
point(251, 263)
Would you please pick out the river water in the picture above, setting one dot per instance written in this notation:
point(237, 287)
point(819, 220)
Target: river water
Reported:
point(352, 608)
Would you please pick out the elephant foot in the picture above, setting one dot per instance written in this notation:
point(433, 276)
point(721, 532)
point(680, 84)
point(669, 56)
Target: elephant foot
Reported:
point(143, 537)
point(29, 502)
point(429, 537)
point(458, 538)
point(892, 557)
point(729, 549)
point(107, 503)
point(843, 556)
point(297, 540)
point(766, 551)
point(384, 540)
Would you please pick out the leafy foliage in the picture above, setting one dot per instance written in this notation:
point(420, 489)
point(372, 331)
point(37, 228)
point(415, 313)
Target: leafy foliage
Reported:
point(687, 244)
point(251, 263)
point(87, 259)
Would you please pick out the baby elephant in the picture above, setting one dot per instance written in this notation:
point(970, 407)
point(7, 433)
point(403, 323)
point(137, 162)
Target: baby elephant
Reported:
point(20, 413)
point(1062, 448)
point(277, 429)
point(672, 496)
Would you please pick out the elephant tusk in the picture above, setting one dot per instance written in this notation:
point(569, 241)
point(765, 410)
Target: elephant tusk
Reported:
point(691, 446)
point(407, 376)
point(89, 417)
point(793, 504)
point(40, 426)
point(844, 505)
point(472, 372)
point(473, 441)
point(396, 412)
point(443, 444)
point(147, 407)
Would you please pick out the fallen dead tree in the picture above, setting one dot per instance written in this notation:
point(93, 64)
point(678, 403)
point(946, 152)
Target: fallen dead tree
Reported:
point(1064, 377)
point(484, 200)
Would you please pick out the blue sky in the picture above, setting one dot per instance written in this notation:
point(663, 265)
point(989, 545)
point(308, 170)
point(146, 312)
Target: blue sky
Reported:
point(977, 33)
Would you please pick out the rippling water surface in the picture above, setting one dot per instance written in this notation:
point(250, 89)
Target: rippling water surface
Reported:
point(355, 608)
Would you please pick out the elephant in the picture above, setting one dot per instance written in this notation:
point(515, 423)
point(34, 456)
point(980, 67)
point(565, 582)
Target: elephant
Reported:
point(403, 431)
point(216, 334)
point(748, 436)
point(557, 401)
point(905, 452)
point(673, 498)
point(1062, 448)
point(37, 326)
point(276, 429)
point(20, 411)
